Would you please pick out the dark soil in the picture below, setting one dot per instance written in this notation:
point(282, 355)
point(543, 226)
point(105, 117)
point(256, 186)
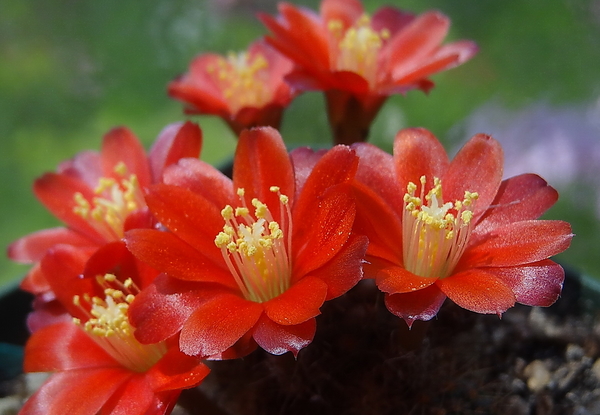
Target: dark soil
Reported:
point(364, 361)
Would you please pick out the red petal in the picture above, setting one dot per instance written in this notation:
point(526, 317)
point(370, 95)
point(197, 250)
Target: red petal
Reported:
point(537, 284)
point(174, 142)
point(202, 179)
point(346, 11)
point(176, 371)
point(278, 339)
point(34, 246)
point(80, 392)
point(344, 270)
point(519, 198)
point(262, 161)
point(478, 291)
point(518, 243)
point(319, 237)
point(160, 310)
point(134, 397)
point(419, 305)
point(304, 160)
point(57, 193)
point(390, 18)
point(120, 145)
point(64, 346)
point(425, 154)
point(414, 43)
point(167, 253)
point(376, 219)
point(376, 170)
point(193, 218)
point(336, 166)
point(217, 324)
point(298, 303)
point(395, 280)
point(476, 168)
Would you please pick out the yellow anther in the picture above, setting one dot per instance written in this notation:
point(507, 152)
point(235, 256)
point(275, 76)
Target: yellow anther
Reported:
point(227, 212)
point(120, 169)
point(274, 189)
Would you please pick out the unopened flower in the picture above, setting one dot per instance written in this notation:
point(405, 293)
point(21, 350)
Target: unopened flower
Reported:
point(440, 228)
point(359, 60)
point(248, 260)
point(246, 89)
point(97, 364)
point(101, 195)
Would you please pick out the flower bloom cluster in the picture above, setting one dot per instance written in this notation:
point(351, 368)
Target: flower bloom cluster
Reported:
point(164, 261)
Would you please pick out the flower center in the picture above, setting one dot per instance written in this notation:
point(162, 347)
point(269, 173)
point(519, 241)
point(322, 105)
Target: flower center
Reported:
point(356, 49)
point(243, 80)
point(256, 248)
point(115, 200)
point(434, 234)
point(108, 325)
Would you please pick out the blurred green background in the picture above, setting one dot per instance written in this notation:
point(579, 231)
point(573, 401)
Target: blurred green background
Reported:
point(72, 69)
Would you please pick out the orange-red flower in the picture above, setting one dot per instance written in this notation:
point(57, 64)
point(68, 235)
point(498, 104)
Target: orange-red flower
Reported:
point(97, 364)
point(101, 195)
point(251, 259)
point(440, 228)
point(245, 89)
point(359, 60)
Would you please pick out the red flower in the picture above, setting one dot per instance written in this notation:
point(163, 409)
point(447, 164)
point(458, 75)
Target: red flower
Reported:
point(101, 195)
point(246, 90)
point(98, 366)
point(283, 247)
point(454, 229)
point(359, 60)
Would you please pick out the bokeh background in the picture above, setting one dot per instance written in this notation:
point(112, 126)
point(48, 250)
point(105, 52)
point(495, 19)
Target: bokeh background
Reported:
point(70, 70)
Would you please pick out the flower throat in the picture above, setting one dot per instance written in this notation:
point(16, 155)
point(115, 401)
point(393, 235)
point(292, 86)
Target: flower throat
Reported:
point(256, 248)
point(434, 234)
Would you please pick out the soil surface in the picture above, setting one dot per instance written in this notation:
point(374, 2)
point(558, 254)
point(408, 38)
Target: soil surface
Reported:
point(364, 361)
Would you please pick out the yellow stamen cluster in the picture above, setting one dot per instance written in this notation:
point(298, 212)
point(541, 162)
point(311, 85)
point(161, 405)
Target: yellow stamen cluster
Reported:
point(435, 234)
point(357, 48)
point(108, 324)
point(243, 78)
point(256, 248)
point(115, 200)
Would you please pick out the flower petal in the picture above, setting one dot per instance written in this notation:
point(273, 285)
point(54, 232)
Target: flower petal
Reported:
point(320, 236)
point(134, 397)
point(193, 218)
point(377, 171)
point(418, 39)
point(537, 284)
point(519, 198)
point(345, 11)
point(167, 253)
point(120, 145)
point(344, 270)
point(34, 246)
point(518, 243)
point(175, 141)
point(278, 339)
point(57, 193)
point(217, 324)
point(176, 371)
point(160, 310)
point(478, 291)
point(298, 303)
point(418, 305)
point(64, 346)
point(426, 155)
point(395, 280)
point(476, 168)
point(262, 161)
point(81, 392)
point(202, 179)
